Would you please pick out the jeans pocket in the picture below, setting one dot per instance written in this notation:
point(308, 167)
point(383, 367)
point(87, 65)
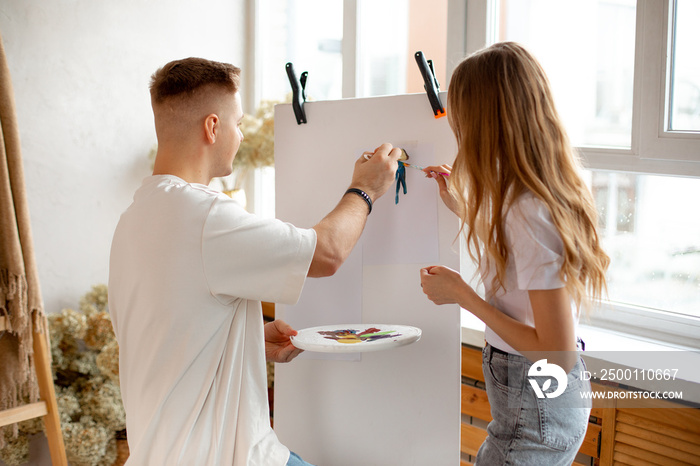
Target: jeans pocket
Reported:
point(564, 420)
point(497, 371)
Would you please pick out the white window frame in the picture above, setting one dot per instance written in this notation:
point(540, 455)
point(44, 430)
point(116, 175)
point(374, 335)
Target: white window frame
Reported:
point(655, 44)
point(655, 150)
point(350, 46)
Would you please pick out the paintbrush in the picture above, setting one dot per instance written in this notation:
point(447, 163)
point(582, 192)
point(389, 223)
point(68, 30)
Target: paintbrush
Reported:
point(423, 168)
point(402, 159)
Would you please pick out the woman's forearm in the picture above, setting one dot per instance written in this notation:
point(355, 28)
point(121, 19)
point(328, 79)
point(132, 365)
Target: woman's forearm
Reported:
point(553, 339)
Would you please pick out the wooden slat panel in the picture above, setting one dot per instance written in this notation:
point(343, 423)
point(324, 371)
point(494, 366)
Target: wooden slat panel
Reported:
point(22, 413)
point(687, 419)
point(591, 440)
point(472, 438)
point(464, 463)
point(600, 405)
point(648, 403)
point(648, 456)
point(471, 363)
point(475, 403)
point(660, 439)
point(598, 412)
point(651, 425)
point(622, 459)
point(661, 450)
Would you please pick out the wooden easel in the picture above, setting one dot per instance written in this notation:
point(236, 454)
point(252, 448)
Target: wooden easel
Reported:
point(46, 408)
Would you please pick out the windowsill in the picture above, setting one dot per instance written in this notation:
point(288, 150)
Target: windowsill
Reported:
point(606, 349)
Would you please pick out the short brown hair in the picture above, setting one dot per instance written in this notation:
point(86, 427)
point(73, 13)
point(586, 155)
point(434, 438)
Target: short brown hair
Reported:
point(183, 77)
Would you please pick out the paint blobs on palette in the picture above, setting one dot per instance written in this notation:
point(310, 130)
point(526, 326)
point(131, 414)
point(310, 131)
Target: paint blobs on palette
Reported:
point(350, 336)
point(355, 338)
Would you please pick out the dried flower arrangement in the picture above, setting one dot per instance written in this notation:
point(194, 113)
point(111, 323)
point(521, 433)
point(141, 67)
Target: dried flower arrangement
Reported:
point(85, 363)
point(258, 146)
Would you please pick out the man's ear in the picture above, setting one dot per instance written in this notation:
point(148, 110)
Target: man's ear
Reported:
point(212, 123)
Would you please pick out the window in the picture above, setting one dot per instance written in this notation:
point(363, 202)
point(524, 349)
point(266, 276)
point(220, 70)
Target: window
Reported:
point(615, 195)
point(653, 242)
point(361, 48)
point(635, 118)
point(590, 65)
point(287, 32)
point(382, 51)
point(627, 85)
point(685, 80)
point(666, 36)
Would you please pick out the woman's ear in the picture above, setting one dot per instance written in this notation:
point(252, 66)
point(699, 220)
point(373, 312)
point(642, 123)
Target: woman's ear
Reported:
point(212, 124)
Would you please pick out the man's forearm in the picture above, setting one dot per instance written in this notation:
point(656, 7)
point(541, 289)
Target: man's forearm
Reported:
point(339, 231)
point(337, 234)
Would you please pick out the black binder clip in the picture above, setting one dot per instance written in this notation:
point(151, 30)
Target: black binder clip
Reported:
point(431, 85)
point(298, 93)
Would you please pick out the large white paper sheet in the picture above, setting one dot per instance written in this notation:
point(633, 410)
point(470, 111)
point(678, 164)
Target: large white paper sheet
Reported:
point(407, 232)
point(392, 407)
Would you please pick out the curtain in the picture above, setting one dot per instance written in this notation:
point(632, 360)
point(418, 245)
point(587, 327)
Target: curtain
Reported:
point(20, 297)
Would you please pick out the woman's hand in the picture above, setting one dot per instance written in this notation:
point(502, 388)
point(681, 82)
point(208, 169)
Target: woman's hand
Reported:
point(443, 285)
point(440, 174)
point(278, 346)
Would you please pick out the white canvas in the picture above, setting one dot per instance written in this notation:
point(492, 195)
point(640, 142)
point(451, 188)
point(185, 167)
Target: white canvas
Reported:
point(392, 407)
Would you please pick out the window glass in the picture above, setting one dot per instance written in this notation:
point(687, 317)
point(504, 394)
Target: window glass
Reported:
point(290, 31)
point(685, 80)
point(653, 238)
point(587, 50)
point(383, 47)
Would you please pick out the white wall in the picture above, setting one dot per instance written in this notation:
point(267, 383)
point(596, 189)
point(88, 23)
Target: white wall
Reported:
point(80, 71)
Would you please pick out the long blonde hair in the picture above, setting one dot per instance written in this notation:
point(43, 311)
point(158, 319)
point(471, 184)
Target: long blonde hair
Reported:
point(511, 140)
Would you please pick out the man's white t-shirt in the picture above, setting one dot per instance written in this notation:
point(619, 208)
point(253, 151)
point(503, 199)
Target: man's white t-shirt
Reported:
point(535, 250)
point(188, 269)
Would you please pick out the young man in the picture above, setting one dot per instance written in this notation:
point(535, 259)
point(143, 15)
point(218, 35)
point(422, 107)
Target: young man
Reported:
point(189, 268)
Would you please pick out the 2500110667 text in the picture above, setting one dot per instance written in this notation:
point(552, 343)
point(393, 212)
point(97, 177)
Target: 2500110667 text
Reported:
point(630, 375)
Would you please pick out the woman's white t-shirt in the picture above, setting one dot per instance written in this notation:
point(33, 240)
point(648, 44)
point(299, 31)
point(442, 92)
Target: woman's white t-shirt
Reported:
point(188, 269)
point(535, 257)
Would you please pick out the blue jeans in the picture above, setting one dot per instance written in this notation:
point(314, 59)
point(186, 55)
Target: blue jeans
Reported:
point(295, 460)
point(527, 429)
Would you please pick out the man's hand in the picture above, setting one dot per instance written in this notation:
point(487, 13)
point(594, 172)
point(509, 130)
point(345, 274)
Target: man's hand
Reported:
point(278, 346)
point(375, 173)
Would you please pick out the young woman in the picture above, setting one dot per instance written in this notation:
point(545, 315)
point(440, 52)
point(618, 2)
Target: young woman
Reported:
point(530, 224)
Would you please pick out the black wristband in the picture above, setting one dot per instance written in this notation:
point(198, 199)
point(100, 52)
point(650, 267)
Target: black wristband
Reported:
point(363, 195)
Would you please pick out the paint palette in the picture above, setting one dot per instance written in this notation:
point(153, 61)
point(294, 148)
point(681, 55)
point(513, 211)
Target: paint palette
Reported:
point(355, 338)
